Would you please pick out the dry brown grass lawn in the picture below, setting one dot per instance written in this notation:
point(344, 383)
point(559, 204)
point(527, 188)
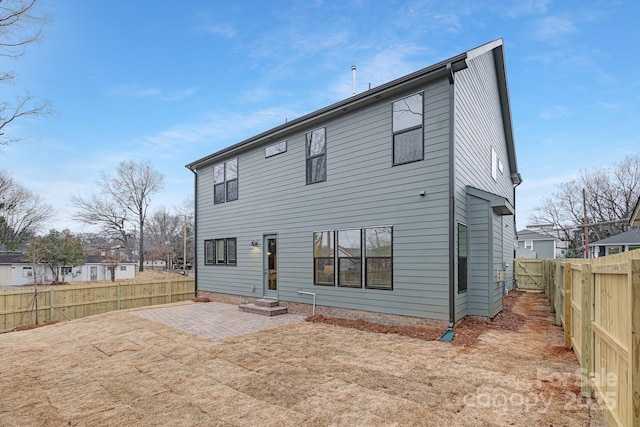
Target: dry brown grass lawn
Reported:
point(119, 369)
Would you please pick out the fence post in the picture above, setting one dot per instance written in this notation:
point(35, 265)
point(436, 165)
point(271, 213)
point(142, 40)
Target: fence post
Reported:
point(52, 310)
point(556, 293)
point(118, 296)
point(170, 292)
point(585, 344)
point(634, 341)
point(552, 285)
point(566, 310)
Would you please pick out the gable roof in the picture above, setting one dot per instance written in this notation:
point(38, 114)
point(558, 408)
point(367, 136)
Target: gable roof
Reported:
point(533, 235)
point(446, 68)
point(634, 221)
point(11, 258)
point(630, 237)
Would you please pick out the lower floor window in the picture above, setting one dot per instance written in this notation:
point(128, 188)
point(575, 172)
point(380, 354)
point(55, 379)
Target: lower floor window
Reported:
point(220, 251)
point(343, 248)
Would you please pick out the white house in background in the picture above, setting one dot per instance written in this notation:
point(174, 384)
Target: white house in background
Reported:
point(15, 272)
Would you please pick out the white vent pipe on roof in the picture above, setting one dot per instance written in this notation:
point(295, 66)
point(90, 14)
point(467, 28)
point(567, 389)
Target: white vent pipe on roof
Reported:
point(353, 78)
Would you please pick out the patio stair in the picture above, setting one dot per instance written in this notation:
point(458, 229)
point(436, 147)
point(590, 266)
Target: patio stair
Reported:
point(265, 307)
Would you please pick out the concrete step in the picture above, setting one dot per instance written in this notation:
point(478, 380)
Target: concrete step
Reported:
point(267, 302)
point(264, 311)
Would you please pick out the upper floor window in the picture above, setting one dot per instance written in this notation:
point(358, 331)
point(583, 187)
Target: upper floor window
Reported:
point(408, 143)
point(316, 156)
point(275, 149)
point(225, 181)
point(528, 244)
point(494, 164)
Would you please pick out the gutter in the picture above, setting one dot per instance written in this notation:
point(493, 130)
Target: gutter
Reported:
point(385, 90)
point(452, 203)
point(195, 229)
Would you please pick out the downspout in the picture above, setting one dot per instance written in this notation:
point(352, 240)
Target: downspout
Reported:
point(195, 230)
point(452, 203)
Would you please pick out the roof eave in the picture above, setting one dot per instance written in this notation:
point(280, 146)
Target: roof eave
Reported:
point(432, 72)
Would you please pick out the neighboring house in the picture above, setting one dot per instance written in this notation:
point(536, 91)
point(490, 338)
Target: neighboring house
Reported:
point(634, 221)
point(398, 201)
point(154, 264)
point(622, 242)
point(525, 253)
point(542, 245)
point(14, 271)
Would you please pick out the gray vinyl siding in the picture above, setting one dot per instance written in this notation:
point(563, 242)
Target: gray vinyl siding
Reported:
point(508, 248)
point(543, 248)
point(362, 189)
point(498, 259)
point(478, 129)
point(479, 256)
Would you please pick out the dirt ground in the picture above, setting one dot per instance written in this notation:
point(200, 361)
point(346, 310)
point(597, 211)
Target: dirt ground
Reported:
point(120, 369)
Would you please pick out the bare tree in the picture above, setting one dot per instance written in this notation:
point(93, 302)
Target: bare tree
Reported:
point(187, 214)
point(20, 25)
point(123, 202)
point(110, 215)
point(164, 231)
point(611, 194)
point(22, 212)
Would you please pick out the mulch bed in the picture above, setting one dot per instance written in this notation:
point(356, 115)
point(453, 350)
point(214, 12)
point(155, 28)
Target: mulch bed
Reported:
point(467, 332)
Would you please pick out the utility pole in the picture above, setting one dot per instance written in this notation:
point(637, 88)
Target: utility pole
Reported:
point(585, 227)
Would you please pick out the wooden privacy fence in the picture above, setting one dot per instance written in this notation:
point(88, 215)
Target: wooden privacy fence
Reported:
point(533, 274)
point(597, 302)
point(68, 302)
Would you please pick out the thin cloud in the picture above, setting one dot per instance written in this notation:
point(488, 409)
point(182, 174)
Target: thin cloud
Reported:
point(223, 128)
point(153, 92)
point(219, 29)
point(181, 94)
point(555, 112)
point(551, 28)
point(524, 8)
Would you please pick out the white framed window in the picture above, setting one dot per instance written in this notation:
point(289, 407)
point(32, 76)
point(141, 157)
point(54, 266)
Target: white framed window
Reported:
point(528, 244)
point(27, 271)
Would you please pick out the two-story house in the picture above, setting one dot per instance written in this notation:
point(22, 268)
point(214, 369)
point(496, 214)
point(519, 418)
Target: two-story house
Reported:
point(396, 204)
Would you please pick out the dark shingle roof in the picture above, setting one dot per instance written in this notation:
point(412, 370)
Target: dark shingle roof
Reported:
point(11, 258)
point(627, 238)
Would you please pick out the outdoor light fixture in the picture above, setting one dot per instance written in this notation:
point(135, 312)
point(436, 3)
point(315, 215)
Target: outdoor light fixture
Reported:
point(254, 243)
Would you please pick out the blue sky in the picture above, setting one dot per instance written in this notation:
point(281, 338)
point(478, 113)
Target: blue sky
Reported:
point(171, 82)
